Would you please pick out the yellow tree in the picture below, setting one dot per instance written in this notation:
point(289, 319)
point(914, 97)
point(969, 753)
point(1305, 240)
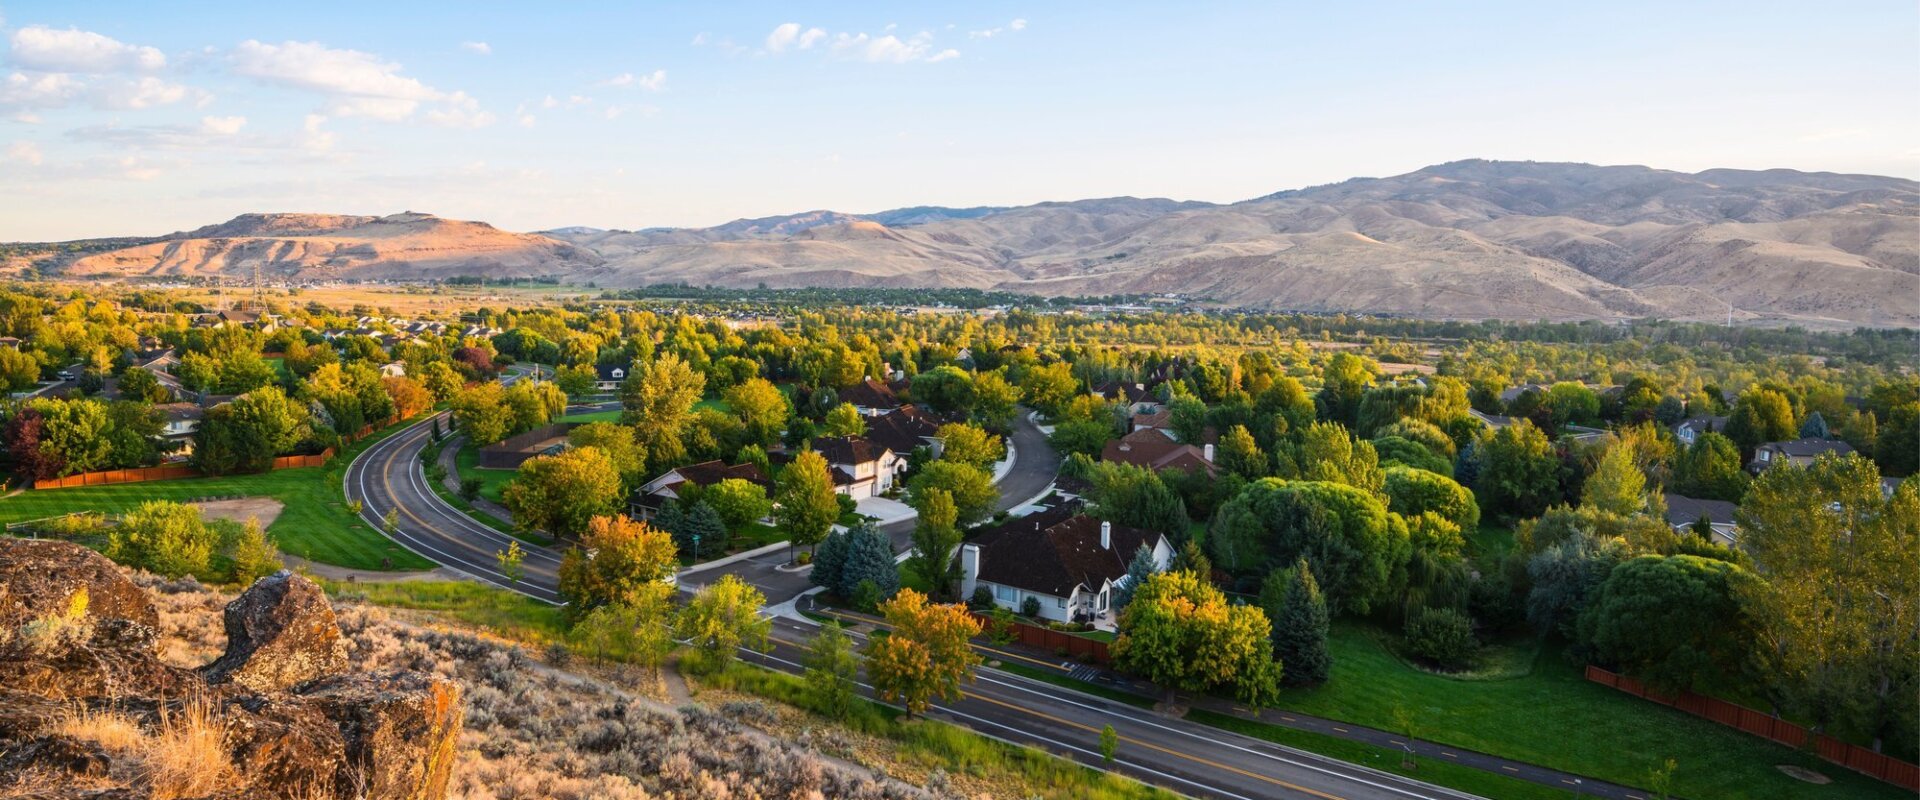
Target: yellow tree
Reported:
point(926, 654)
point(618, 562)
point(1180, 633)
point(723, 617)
point(562, 493)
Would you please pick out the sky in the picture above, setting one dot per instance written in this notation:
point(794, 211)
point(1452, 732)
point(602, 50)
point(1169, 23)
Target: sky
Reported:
point(142, 118)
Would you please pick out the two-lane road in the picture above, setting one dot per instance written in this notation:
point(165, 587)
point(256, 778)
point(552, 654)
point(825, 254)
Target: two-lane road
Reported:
point(388, 477)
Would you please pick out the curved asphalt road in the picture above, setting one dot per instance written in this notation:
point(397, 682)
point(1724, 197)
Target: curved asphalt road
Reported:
point(388, 476)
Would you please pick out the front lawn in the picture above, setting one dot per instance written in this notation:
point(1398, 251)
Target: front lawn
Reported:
point(315, 523)
point(1552, 716)
point(592, 416)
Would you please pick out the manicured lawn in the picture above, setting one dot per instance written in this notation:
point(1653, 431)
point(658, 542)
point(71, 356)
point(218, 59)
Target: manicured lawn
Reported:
point(592, 416)
point(1554, 717)
point(492, 481)
point(315, 523)
point(716, 404)
point(507, 614)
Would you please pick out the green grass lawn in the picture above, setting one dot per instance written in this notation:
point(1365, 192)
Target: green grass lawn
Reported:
point(507, 614)
point(592, 416)
point(492, 481)
point(1552, 716)
point(716, 404)
point(315, 523)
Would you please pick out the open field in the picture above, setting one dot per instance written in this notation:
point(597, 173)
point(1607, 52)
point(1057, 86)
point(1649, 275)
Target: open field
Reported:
point(314, 522)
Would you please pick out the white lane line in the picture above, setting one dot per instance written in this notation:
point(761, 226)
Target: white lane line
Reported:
point(416, 479)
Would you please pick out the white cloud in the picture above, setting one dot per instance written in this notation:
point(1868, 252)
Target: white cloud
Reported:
point(222, 126)
point(44, 49)
point(21, 91)
point(477, 48)
point(653, 81)
point(699, 39)
point(1014, 26)
point(460, 111)
point(315, 139)
point(361, 84)
point(146, 92)
point(1018, 25)
point(885, 48)
point(25, 153)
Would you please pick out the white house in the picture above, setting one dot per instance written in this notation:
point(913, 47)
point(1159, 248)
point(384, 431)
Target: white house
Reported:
point(1066, 561)
point(1688, 430)
point(860, 468)
point(610, 377)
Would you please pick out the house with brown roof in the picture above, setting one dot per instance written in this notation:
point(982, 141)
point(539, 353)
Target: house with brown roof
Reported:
point(652, 495)
point(1156, 450)
point(859, 466)
point(1799, 453)
point(1068, 561)
point(870, 397)
point(904, 429)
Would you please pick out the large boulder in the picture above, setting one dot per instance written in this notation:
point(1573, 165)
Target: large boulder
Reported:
point(400, 730)
point(40, 578)
point(280, 633)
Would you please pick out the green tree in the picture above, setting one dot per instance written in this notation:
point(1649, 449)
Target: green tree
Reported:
point(75, 433)
point(135, 384)
point(1897, 446)
point(1049, 388)
point(1617, 486)
point(1343, 381)
point(579, 380)
point(926, 654)
point(762, 408)
point(1136, 497)
point(1411, 492)
point(1760, 416)
point(511, 561)
point(995, 401)
point(805, 506)
point(1180, 633)
point(562, 493)
point(832, 667)
point(19, 370)
point(845, 420)
point(967, 444)
point(1326, 452)
point(1835, 617)
point(723, 617)
point(1569, 403)
point(1710, 468)
point(1519, 473)
point(946, 389)
point(1441, 636)
point(482, 413)
point(1241, 455)
point(164, 537)
point(659, 398)
point(246, 433)
point(970, 487)
point(1293, 601)
point(1109, 742)
point(869, 564)
point(254, 556)
point(616, 442)
point(1355, 546)
point(1672, 621)
point(617, 562)
point(1085, 437)
point(1139, 568)
point(738, 501)
point(935, 535)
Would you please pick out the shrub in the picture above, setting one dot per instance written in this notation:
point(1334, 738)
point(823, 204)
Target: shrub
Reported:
point(164, 537)
point(469, 489)
point(982, 598)
point(1030, 606)
point(867, 596)
point(1441, 636)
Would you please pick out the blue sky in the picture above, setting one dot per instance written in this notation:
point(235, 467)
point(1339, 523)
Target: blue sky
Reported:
point(121, 118)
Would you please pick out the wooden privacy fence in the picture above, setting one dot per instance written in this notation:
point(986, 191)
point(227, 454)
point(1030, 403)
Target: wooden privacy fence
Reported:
point(1851, 756)
point(1053, 641)
point(166, 473)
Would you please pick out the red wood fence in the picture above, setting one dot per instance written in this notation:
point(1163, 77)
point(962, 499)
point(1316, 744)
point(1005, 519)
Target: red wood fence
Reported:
point(1053, 641)
point(166, 473)
point(1851, 756)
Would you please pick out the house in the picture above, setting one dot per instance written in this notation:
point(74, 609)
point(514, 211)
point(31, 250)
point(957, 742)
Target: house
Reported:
point(1494, 421)
point(1157, 420)
point(860, 468)
point(393, 369)
point(1799, 452)
point(1135, 396)
point(870, 397)
point(1684, 512)
point(178, 423)
point(1066, 560)
point(1512, 393)
point(652, 495)
point(904, 429)
point(1688, 430)
point(10, 341)
point(608, 377)
point(1155, 450)
point(245, 319)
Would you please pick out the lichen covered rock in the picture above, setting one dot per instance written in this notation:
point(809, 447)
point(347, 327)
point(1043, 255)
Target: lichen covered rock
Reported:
point(39, 578)
point(280, 633)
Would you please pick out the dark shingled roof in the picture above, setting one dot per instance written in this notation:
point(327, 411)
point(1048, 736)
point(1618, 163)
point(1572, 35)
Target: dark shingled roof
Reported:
point(870, 394)
point(1055, 550)
point(1808, 448)
point(708, 473)
point(1150, 448)
point(902, 429)
point(1688, 510)
point(848, 449)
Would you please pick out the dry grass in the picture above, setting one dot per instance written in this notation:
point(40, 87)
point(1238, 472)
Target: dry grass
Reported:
point(187, 757)
point(113, 731)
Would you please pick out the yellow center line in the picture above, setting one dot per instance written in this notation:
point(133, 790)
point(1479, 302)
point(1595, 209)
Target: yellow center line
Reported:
point(1167, 750)
point(386, 479)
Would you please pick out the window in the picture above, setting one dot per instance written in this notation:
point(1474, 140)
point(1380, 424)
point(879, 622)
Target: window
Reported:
point(1005, 593)
point(1059, 602)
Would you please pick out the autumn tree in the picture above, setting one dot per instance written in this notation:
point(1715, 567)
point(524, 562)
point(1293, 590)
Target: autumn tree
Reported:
point(763, 410)
point(967, 444)
point(925, 654)
point(1180, 633)
point(617, 443)
point(562, 493)
point(410, 397)
point(618, 561)
point(845, 420)
point(970, 487)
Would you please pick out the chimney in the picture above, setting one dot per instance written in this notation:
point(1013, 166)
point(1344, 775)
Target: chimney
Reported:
point(1106, 535)
point(1206, 453)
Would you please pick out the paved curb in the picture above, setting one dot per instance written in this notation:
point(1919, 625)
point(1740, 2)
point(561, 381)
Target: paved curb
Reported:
point(733, 559)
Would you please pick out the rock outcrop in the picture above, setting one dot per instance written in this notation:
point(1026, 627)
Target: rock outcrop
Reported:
point(88, 708)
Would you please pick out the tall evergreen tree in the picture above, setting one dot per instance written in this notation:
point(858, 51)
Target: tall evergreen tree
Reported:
point(829, 559)
point(1293, 601)
point(1138, 570)
point(869, 558)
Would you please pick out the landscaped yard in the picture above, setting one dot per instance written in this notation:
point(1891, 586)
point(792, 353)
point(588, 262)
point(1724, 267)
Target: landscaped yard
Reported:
point(492, 481)
point(1554, 717)
point(315, 523)
point(592, 416)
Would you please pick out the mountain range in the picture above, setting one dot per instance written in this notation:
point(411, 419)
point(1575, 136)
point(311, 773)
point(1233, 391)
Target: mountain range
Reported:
point(1467, 239)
